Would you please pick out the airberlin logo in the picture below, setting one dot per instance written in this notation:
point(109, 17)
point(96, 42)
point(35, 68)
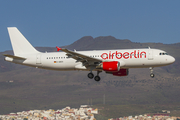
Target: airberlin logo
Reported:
point(125, 55)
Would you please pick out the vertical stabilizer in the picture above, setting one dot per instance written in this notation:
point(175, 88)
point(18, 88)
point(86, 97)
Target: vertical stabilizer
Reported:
point(20, 44)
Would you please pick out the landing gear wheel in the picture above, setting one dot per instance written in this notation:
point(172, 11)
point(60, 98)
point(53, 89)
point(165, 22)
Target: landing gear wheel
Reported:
point(90, 75)
point(152, 75)
point(97, 78)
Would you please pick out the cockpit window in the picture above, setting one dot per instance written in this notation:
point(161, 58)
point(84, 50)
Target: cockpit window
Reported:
point(163, 54)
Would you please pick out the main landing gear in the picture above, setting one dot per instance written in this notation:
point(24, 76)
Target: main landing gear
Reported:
point(96, 78)
point(151, 74)
point(91, 75)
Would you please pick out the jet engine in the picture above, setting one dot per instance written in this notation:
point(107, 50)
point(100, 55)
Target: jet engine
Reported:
point(110, 66)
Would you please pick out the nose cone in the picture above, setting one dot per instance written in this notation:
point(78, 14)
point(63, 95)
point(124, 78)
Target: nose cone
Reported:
point(171, 60)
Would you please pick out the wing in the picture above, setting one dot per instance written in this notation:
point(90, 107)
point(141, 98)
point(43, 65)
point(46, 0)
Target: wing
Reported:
point(86, 60)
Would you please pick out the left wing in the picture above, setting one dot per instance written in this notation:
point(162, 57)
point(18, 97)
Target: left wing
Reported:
point(86, 60)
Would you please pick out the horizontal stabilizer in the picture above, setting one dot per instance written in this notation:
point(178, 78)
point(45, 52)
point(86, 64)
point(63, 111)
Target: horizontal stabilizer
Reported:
point(14, 57)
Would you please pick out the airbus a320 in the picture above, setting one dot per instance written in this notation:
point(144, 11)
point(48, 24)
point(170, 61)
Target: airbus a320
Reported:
point(115, 62)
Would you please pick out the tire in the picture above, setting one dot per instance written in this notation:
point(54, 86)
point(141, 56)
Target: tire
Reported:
point(97, 78)
point(152, 75)
point(90, 75)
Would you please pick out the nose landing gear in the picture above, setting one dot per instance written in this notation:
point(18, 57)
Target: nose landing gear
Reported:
point(151, 74)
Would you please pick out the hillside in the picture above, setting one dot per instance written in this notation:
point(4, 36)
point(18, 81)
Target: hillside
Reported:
point(136, 94)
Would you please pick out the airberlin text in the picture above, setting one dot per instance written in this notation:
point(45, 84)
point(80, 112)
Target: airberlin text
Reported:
point(125, 55)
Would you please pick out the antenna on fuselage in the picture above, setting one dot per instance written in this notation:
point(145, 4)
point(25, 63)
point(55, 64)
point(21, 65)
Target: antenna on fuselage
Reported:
point(149, 47)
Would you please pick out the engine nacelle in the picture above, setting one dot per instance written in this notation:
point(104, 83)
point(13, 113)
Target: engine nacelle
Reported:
point(121, 72)
point(111, 66)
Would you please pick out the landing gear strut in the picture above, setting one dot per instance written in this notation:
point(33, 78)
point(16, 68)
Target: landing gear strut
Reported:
point(151, 74)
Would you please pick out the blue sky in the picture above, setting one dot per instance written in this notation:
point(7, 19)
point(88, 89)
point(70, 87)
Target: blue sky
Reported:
point(50, 23)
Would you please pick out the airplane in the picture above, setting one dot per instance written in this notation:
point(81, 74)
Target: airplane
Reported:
point(116, 62)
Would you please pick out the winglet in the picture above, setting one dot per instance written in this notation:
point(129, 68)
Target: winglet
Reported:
point(58, 49)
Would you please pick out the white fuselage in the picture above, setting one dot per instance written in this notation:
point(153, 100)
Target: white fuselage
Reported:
point(128, 58)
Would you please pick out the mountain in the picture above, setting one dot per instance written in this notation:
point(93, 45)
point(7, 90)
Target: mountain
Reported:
point(137, 93)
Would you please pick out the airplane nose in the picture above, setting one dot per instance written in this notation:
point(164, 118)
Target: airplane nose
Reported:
point(171, 59)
